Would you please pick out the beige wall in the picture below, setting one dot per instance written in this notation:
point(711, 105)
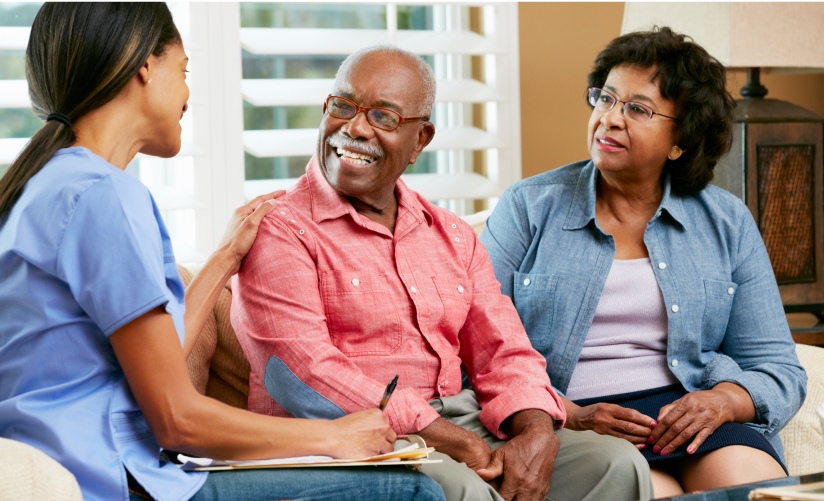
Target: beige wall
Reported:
point(558, 43)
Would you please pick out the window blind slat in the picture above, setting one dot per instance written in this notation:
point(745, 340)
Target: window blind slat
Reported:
point(299, 142)
point(14, 94)
point(312, 91)
point(293, 41)
point(14, 38)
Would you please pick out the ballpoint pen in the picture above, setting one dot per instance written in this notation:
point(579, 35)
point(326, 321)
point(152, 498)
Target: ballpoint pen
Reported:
point(388, 393)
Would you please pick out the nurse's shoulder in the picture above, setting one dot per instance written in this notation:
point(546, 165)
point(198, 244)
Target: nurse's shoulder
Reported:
point(37, 223)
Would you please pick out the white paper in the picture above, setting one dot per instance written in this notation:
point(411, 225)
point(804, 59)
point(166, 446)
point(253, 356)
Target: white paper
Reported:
point(295, 460)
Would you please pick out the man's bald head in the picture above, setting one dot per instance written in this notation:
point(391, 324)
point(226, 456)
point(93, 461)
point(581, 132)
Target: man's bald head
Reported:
point(427, 76)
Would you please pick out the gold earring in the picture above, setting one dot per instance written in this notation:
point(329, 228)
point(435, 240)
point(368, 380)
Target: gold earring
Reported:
point(674, 153)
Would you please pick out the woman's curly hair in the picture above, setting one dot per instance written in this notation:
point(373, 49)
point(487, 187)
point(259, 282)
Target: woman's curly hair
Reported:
point(692, 79)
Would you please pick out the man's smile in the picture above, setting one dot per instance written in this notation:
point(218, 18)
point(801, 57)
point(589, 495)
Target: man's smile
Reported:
point(354, 157)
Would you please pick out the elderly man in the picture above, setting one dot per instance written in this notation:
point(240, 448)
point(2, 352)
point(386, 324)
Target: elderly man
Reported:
point(354, 279)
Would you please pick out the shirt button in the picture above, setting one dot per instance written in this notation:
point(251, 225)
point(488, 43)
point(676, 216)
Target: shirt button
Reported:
point(675, 308)
point(675, 363)
point(730, 291)
point(282, 213)
point(460, 289)
point(301, 232)
point(659, 214)
point(454, 225)
point(355, 281)
point(291, 220)
point(661, 266)
point(527, 281)
point(414, 289)
point(457, 239)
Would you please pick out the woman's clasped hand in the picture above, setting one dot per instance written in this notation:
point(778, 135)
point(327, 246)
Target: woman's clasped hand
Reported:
point(696, 415)
point(612, 419)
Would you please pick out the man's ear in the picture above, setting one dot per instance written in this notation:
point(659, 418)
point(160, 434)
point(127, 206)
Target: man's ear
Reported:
point(426, 131)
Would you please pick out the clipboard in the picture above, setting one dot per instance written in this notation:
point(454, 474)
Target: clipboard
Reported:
point(415, 454)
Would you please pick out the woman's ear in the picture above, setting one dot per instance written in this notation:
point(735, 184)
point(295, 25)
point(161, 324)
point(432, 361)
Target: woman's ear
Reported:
point(146, 70)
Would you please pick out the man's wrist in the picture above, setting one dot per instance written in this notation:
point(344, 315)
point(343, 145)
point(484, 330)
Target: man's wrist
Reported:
point(528, 420)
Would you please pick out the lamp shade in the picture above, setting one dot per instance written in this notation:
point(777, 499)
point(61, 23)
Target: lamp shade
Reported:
point(778, 35)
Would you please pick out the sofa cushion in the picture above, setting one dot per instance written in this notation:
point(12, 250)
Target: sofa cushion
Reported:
point(30, 475)
point(802, 439)
point(217, 366)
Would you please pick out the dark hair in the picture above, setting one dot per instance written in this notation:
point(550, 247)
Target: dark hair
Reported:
point(692, 79)
point(79, 57)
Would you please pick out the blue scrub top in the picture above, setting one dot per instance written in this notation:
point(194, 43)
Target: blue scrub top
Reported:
point(83, 252)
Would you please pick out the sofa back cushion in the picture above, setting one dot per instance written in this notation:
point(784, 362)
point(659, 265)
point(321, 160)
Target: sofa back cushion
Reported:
point(217, 366)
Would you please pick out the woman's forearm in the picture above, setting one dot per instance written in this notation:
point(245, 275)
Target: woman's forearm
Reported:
point(202, 295)
point(182, 419)
point(210, 428)
point(742, 408)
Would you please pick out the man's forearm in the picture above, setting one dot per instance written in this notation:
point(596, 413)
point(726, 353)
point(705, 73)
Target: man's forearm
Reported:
point(461, 445)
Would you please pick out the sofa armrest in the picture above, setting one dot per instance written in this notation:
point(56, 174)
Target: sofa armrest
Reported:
point(802, 439)
point(30, 475)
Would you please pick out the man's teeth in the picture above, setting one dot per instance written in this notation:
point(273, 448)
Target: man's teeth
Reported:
point(355, 158)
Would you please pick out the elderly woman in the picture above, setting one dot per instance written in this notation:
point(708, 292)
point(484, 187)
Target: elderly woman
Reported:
point(650, 293)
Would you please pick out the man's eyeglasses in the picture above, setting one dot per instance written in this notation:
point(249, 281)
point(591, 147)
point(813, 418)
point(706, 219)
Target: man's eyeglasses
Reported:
point(382, 118)
point(605, 101)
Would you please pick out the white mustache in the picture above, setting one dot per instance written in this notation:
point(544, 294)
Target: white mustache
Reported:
point(338, 140)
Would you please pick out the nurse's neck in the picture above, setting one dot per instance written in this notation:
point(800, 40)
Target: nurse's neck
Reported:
point(115, 131)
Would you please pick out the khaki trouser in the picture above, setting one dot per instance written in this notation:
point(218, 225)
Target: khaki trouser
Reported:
point(588, 466)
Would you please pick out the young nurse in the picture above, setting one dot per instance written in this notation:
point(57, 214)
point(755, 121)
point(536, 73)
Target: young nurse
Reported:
point(92, 310)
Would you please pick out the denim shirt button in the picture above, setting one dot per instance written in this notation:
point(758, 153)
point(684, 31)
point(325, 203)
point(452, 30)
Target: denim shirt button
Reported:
point(675, 363)
point(527, 281)
point(661, 266)
point(675, 308)
point(659, 214)
point(730, 291)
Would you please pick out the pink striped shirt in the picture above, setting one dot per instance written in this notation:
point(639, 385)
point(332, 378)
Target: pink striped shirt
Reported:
point(346, 305)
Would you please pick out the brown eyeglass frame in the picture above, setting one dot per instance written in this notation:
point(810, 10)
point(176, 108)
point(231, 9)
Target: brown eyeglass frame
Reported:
point(624, 103)
point(366, 109)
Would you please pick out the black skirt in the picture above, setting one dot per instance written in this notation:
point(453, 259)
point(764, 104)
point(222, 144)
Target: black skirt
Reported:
point(650, 402)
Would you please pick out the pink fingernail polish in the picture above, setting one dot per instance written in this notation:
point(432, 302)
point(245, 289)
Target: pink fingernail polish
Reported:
point(690, 450)
point(642, 447)
point(654, 424)
point(650, 440)
point(664, 452)
point(656, 449)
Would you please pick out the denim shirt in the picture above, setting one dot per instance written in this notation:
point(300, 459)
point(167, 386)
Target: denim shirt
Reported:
point(725, 319)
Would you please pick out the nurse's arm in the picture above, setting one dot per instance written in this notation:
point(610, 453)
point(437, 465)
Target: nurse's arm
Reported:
point(182, 419)
point(203, 291)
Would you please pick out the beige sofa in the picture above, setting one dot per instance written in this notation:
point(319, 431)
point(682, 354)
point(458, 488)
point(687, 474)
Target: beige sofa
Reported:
point(218, 368)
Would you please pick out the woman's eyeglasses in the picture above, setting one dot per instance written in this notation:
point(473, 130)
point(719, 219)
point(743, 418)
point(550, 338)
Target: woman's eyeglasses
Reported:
point(382, 118)
point(604, 101)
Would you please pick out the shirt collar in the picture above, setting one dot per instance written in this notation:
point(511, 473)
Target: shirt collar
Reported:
point(329, 204)
point(582, 208)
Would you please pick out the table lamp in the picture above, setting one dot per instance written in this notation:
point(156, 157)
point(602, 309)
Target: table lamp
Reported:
point(775, 164)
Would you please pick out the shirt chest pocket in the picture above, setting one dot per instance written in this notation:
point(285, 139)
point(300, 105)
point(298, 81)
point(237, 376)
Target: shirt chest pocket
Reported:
point(456, 297)
point(534, 298)
point(719, 296)
point(360, 314)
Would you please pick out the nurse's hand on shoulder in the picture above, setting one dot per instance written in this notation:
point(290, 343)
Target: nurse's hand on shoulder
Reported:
point(243, 227)
point(611, 419)
point(362, 434)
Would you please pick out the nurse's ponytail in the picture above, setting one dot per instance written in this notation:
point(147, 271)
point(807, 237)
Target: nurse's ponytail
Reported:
point(79, 57)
